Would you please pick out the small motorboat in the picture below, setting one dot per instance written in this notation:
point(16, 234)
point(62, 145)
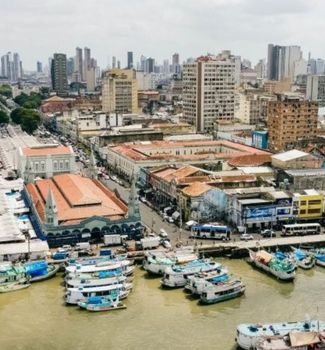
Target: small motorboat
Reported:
point(98, 303)
point(12, 287)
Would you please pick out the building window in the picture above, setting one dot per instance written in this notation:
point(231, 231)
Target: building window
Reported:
point(303, 203)
point(303, 211)
point(43, 166)
point(66, 165)
point(36, 166)
point(61, 165)
point(313, 202)
point(314, 211)
point(55, 165)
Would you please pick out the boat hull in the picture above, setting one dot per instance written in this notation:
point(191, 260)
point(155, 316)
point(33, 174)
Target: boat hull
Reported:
point(225, 297)
point(320, 263)
point(98, 308)
point(13, 287)
point(49, 275)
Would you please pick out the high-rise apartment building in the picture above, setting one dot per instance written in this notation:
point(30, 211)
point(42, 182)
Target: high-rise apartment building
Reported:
point(149, 65)
point(59, 73)
point(11, 67)
point(70, 67)
point(281, 61)
point(176, 68)
point(86, 62)
point(130, 60)
point(315, 90)
point(209, 90)
point(119, 91)
point(113, 62)
point(289, 120)
point(39, 67)
point(78, 66)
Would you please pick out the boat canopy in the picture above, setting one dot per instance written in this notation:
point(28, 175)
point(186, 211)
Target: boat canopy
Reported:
point(303, 338)
point(263, 255)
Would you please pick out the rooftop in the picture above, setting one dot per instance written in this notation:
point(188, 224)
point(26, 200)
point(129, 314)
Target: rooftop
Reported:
point(77, 198)
point(290, 155)
point(44, 150)
point(196, 189)
point(197, 150)
point(306, 172)
point(250, 160)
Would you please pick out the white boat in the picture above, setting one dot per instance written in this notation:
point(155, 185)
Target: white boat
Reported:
point(196, 283)
point(305, 260)
point(102, 304)
point(124, 266)
point(157, 263)
point(215, 293)
point(176, 276)
point(81, 295)
point(249, 334)
point(281, 269)
point(95, 282)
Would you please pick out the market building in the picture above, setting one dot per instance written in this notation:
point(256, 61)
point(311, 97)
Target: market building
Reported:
point(69, 208)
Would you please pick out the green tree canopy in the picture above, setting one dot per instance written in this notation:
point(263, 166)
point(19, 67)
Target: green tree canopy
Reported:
point(17, 114)
point(4, 118)
point(30, 122)
point(32, 101)
point(5, 90)
point(27, 118)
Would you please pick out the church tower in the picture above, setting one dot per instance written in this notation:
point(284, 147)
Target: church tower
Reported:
point(51, 211)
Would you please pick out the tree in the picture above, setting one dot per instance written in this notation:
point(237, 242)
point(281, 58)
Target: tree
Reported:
point(30, 122)
point(30, 105)
point(5, 90)
point(17, 114)
point(4, 118)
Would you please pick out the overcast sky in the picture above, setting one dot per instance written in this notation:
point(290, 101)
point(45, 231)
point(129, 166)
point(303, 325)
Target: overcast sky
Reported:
point(158, 28)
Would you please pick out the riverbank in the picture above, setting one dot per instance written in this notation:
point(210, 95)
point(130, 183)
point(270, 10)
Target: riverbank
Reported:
point(37, 318)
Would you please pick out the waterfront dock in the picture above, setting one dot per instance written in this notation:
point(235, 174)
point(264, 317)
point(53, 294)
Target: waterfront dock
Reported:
point(240, 248)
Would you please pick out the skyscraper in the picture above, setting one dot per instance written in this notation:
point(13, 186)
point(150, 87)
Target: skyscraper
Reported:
point(39, 67)
point(16, 72)
point(149, 65)
point(114, 62)
point(78, 66)
point(209, 90)
point(86, 62)
point(130, 60)
point(176, 69)
point(70, 67)
point(281, 61)
point(59, 73)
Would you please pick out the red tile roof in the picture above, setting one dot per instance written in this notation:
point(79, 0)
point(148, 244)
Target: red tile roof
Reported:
point(250, 160)
point(44, 150)
point(77, 198)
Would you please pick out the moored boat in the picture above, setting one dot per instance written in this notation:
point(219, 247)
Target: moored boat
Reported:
point(249, 334)
point(305, 260)
point(196, 283)
point(156, 263)
point(12, 273)
point(81, 294)
point(40, 270)
point(176, 276)
point(101, 267)
point(96, 282)
point(215, 293)
point(12, 287)
point(320, 257)
point(101, 304)
point(284, 270)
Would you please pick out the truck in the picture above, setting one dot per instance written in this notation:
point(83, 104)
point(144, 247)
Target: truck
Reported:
point(150, 242)
point(112, 239)
point(82, 246)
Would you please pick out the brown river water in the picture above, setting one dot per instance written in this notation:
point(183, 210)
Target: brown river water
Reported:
point(37, 319)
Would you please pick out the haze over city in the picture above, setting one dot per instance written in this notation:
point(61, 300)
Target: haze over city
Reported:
point(37, 28)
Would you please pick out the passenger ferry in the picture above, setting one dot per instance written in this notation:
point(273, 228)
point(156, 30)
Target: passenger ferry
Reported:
point(81, 294)
point(176, 276)
point(215, 293)
point(124, 265)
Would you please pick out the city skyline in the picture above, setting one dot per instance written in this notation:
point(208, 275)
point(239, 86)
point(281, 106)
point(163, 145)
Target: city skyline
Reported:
point(243, 26)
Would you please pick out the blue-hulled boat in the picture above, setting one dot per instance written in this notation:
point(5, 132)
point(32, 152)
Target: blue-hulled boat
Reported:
point(40, 270)
point(320, 257)
point(304, 259)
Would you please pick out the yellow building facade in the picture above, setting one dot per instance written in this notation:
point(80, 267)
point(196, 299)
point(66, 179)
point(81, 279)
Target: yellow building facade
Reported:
point(308, 205)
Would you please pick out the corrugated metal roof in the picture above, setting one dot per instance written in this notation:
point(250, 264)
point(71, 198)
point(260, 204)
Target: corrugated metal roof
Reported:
point(290, 155)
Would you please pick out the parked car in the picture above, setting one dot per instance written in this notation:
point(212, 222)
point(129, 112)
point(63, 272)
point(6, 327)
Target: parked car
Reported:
point(163, 233)
point(267, 233)
point(166, 244)
point(189, 224)
point(246, 237)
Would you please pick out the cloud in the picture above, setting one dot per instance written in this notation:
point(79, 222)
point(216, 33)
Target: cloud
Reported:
point(158, 28)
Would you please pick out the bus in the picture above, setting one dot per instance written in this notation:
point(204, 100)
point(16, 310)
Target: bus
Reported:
point(301, 229)
point(211, 232)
